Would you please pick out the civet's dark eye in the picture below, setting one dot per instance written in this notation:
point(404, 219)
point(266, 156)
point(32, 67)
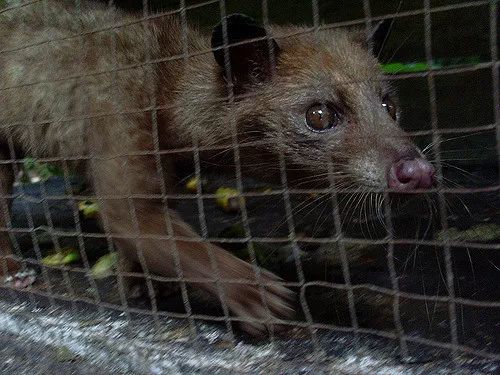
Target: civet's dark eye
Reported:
point(390, 107)
point(320, 117)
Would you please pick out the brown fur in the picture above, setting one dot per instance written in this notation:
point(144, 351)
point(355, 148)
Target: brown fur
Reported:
point(100, 117)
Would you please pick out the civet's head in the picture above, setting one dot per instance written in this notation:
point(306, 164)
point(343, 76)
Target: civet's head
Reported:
point(320, 96)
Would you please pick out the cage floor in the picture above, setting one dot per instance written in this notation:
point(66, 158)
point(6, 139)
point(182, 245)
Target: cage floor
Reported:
point(78, 339)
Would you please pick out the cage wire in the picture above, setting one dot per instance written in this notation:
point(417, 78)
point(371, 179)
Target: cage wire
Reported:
point(72, 312)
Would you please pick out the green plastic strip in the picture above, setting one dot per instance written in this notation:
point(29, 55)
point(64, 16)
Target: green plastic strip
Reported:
point(399, 67)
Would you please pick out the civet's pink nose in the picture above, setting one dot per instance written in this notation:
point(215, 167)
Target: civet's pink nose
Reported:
point(411, 174)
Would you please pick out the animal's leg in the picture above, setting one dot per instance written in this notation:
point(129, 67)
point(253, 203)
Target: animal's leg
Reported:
point(139, 227)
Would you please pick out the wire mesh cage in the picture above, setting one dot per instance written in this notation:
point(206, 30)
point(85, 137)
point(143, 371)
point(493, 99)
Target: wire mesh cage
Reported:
point(224, 186)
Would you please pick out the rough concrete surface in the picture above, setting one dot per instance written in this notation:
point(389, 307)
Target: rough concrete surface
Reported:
point(77, 340)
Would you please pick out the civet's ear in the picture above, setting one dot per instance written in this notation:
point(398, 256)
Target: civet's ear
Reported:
point(250, 59)
point(380, 33)
point(376, 40)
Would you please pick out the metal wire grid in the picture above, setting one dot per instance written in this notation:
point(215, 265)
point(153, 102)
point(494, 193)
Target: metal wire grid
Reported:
point(453, 346)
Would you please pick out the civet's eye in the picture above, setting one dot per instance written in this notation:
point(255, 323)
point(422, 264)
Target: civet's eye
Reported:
point(390, 107)
point(320, 117)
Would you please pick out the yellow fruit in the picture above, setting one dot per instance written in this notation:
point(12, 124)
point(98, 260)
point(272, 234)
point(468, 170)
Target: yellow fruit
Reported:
point(192, 184)
point(228, 199)
point(104, 266)
point(89, 209)
point(65, 256)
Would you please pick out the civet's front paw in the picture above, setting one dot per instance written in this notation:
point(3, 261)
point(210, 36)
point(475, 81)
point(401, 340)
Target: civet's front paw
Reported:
point(257, 304)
